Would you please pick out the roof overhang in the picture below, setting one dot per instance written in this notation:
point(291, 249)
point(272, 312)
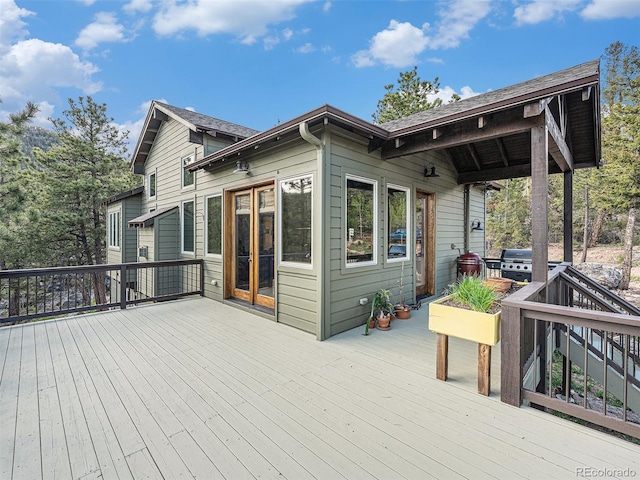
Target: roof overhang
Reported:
point(322, 115)
point(148, 219)
point(122, 196)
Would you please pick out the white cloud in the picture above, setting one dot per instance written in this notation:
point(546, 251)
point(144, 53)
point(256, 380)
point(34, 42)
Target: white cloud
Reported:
point(104, 29)
point(87, 2)
point(271, 41)
point(400, 44)
point(457, 20)
point(11, 24)
point(44, 113)
point(306, 48)
point(541, 10)
point(138, 6)
point(224, 16)
point(607, 9)
point(33, 69)
point(327, 6)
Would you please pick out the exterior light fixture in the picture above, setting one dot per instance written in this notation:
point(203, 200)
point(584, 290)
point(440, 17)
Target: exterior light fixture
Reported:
point(430, 171)
point(476, 225)
point(242, 167)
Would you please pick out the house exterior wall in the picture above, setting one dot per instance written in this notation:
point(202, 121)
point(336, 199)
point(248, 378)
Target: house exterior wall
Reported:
point(321, 298)
point(129, 208)
point(348, 155)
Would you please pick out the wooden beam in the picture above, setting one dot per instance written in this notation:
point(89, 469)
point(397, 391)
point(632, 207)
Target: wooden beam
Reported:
point(196, 137)
point(374, 144)
point(484, 369)
point(540, 203)
point(436, 133)
point(442, 357)
point(508, 123)
point(586, 93)
point(512, 335)
point(399, 142)
point(482, 122)
point(158, 115)
point(503, 152)
point(474, 155)
point(536, 108)
point(558, 147)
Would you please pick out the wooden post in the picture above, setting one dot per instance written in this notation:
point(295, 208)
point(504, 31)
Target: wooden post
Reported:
point(510, 356)
point(540, 203)
point(568, 217)
point(484, 369)
point(442, 357)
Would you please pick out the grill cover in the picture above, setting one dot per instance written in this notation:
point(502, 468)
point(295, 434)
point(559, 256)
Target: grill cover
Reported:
point(516, 255)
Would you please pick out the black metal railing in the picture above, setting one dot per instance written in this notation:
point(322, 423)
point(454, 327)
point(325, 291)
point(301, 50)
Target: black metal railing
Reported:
point(572, 346)
point(48, 292)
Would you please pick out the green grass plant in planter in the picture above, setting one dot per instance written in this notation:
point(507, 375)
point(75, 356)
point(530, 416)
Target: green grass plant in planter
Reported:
point(471, 293)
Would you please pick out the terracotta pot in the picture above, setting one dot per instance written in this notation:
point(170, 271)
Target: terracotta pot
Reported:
point(372, 323)
point(383, 323)
point(403, 313)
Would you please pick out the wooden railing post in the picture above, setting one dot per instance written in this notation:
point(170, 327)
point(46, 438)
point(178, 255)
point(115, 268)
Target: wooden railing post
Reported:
point(201, 264)
point(123, 286)
point(510, 359)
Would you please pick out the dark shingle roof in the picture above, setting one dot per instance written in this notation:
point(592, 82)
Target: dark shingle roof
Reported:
point(209, 123)
point(147, 219)
point(504, 97)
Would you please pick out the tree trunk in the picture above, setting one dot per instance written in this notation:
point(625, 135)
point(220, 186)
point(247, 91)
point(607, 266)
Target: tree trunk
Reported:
point(597, 227)
point(628, 247)
point(585, 237)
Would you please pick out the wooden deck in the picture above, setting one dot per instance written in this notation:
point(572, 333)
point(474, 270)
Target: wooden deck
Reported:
point(197, 389)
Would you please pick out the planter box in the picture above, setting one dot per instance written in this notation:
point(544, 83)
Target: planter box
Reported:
point(466, 324)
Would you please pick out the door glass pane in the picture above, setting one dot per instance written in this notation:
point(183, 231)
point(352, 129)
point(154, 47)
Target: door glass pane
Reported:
point(397, 221)
point(242, 236)
point(420, 229)
point(265, 242)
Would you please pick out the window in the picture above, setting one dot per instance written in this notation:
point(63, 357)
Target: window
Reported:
point(188, 178)
point(188, 227)
point(151, 185)
point(361, 221)
point(295, 220)
point(398, 229)
point(114, 229)
point(213, 232)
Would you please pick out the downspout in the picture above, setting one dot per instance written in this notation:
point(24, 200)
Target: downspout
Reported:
point(467, 215)
point(321, 332)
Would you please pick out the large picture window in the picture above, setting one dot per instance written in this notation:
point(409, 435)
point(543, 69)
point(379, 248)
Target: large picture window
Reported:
point(188, 227)
point(296, 197)
point(213, 231)
point(361, 221)
point(398, 225)
point(188, 178)
point(114, 229)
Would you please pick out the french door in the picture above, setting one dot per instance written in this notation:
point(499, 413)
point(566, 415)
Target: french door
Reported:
point(251, 237)
point(425, 244)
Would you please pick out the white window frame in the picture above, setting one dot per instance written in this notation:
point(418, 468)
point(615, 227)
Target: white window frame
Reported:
point(409, 235)
point(114, 230)
point(374, 236)
point(182, 210)
point(206, 226)
point(155, 193)
point(184, 161)
point(305, 266)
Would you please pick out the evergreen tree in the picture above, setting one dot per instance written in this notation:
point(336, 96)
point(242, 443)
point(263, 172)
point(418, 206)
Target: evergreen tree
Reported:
point(412, 96)
point(84, 168)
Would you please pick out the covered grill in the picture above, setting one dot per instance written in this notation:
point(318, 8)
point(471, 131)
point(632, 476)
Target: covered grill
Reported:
point(516, 264)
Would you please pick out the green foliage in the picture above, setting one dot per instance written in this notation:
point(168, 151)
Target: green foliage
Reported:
point(83, 169)
point(509, 215)
point(472, 293)
point(411, 96)
point(380, 304)
point(37, 137)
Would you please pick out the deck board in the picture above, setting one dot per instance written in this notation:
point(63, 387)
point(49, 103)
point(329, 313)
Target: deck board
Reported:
point(198, 389)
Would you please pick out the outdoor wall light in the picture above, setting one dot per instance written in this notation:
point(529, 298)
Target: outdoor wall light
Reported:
point(476, 225)
point(242, 167)
point(430, 171)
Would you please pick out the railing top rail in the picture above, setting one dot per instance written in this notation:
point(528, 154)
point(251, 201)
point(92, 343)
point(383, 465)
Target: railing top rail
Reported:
point(578, 316)
point(94, 268)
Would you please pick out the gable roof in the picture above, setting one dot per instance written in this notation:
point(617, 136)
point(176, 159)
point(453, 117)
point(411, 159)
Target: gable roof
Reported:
point(525, 92)
point(122, 196)
point(195, 122)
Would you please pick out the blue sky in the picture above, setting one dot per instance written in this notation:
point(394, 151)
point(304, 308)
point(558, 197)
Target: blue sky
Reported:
point(262, 61)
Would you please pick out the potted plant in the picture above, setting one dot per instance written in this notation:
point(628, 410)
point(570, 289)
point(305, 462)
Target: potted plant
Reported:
point(382, 307)
point(471, 311)
point(402, 310)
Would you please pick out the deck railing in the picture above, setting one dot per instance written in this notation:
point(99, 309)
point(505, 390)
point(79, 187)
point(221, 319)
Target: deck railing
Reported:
point(48, 292)
point(572, 346)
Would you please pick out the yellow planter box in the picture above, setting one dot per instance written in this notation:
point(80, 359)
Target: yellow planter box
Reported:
point(477, 327)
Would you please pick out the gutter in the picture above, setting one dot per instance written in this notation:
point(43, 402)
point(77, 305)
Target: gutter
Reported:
point(322, 331)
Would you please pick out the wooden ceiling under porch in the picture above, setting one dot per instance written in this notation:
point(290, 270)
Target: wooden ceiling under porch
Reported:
point(197, 389)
